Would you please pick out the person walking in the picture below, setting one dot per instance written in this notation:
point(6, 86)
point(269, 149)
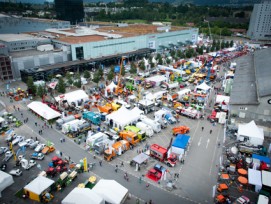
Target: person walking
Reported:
point(60, 153)
point(100, 162)
point(147, 186)
point(36, 124)
point(121, 164)
point(61, 139)
point(202, 128)
point(211, 131)
point(64, 140)
point(116, 169)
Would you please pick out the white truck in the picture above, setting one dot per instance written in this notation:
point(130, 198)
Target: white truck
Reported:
point(27, 164)
point(146, 105)
point(64, 120)
point(16, 172)
point(159, 116)
point(71, 126)
point(169, 86)
point(96, 138)
point(8, 155)
point(190, 112)
point(154, 124)
point(146, 128)
point(182, 93)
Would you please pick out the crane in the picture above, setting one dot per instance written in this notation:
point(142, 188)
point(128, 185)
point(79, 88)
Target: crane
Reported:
point(118, 89)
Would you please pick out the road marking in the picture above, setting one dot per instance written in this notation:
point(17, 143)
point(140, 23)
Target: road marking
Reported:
point(214, 152)
point(199, 141)
point(207, 143)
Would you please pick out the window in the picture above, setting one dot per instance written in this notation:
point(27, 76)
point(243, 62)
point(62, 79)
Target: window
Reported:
point(242, 108)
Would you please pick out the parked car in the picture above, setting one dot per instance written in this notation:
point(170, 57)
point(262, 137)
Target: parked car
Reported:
point(29, 142)
point(34, 144)
point(16, 172)
point(10, 137)
point(3, 167)
point(17, 140)
point(37, 156)
point(39, 147)
point(8, 155)
point(3, 150)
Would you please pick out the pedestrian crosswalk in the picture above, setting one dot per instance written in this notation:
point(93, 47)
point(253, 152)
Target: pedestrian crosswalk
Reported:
point(15, 107)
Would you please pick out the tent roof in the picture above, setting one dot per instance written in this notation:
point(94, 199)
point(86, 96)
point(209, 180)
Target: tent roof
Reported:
point(181, 141)
point(110, 190)
point(73, 96)
point(254, 177)
point(136, 110)
point(140, 158)
point(5, 181)
point(250, 130)
point(82, 195)
point(38, 185)
point(261, 158)
point(145, 102)
point(43, 110)
point(111, 86)
point(221, 98)
point(203, 86)
point(266, 178)
point(157, 78)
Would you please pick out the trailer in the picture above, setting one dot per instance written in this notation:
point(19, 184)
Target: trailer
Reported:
point(62, 121)
point(156, 126)
point(96, 138)
point(146, 128)
point(71, 126)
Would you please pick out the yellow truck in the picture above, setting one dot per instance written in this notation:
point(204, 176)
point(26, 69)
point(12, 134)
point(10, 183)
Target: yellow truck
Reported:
point(47, 149)
point(117, 148)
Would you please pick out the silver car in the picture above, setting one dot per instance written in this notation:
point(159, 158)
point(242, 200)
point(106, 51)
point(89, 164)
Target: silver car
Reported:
point(3, 150)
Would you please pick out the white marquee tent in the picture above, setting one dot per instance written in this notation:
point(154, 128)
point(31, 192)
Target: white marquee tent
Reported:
point(255, 178)
point(251, 132)
point(83, 195)
point(39, 185)
point(203, 87)
point(158, 79)
point(111, 191)
point(74, 96)
point(5, 181)
point(111, 86)
point(122, 117)
point(43, 110)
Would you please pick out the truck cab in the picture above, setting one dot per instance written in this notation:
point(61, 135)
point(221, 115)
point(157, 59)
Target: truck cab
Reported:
point(141, 134)
point(117, 148)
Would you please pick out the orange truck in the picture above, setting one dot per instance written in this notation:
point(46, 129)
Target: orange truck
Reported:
point(129, 136)
point(180, 130)
point(47, 149)
point(117, 148)
point(105, 109)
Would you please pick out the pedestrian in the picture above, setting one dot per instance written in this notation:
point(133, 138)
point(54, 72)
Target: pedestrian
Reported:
point(36, 138)
point(147, 186)
point(61, 140)
point(14, 107)
point(36, 124)
point(100, 162)
point(177, 175)
point(22, 114)
point(51, 126)
point(64, 139)
point(26, 119)
point(140, 179)
point(150, 202)
point(121, 164)
point(60, 154)
point(18, 109)
point(211, 131)
point(41, 132)
point(116, 169)
point(202, 128)
point(69, 158)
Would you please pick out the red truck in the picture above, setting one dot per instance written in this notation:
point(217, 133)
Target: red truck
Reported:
point(161, 153)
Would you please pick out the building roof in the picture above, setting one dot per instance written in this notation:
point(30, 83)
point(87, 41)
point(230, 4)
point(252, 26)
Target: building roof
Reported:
point(38, 185)
point(82, 195)
point(17, 37)
point(244, 90)
point(262, 63)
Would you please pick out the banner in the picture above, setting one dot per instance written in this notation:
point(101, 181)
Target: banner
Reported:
point(85, 163)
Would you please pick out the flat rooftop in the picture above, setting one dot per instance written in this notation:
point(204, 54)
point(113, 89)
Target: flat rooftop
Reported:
point(126, 31)
point(244, 88)
point(25, 53)
point(17, 37)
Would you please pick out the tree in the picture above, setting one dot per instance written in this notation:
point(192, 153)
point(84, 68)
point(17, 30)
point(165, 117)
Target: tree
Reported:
point(32, 89)
point(168, 61)
point(122, 71)
point(86, 74)
point(160, 61)
point(200, 50)
point(212, 49)
point(158, 56)
point(227, 44)
point(110, 75)
point(133, 69)
point(222, 44)
point(78, 82)
point(97, 77)
point(142, 65)
point(61, 86)
point(40, 91)
point(231, 43)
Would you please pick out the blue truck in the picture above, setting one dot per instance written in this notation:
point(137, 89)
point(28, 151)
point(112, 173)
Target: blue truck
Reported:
point(94, 118)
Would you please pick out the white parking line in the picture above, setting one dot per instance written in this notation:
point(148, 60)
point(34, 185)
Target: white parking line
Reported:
point(214, 153)
point(207, 143)
point(199, 141)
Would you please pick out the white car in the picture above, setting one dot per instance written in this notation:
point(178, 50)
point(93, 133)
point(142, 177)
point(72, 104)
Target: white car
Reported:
point(29, 142)
point(34, 144)
point(3, 150)
point(16, 172)
point(39, 147)
point(17, 140)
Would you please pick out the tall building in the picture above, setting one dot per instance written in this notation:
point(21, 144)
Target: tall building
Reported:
point(260, 21)
point(70, 10)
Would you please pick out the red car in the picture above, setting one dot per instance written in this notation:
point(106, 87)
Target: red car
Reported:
point(154, 174)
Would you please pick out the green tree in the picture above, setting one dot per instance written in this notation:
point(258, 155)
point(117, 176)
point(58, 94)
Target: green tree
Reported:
point(61, 86)
point(40, 91)
point(158, 56)
point(122, 71)
point(110, 75)
point(142, 65)
point(223, 45)
point(160, 61)
point(32, 89)
point(200, 51)
point(97, 76)
point(168, 61)
point(78, 82)
point(133, 69)
point(208, 49)
point(227, 44)
point(231, 43)
point(86, 74)
point(212, 49)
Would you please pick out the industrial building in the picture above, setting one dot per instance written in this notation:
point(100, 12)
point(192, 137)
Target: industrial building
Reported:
point(80, 47)
point(17, 24)
point(250, 97)
point(260, 22)
point(70, 10)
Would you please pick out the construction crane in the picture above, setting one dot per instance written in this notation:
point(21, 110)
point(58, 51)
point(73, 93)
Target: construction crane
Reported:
point(119, 89)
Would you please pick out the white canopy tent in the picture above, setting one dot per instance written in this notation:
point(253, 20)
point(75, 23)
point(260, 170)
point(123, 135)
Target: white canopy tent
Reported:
point(255, 178)
point(158, 79)
point(136, 110)
point(82, 195)
point(203, 87)
point(123, 117)
point(251, 132)
point(111, 191)
point(221, 98)
point(5, 181)
point(73, 97)
point(266, 178)
point(111, 87)
point(43, 110)
point(39, 185)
